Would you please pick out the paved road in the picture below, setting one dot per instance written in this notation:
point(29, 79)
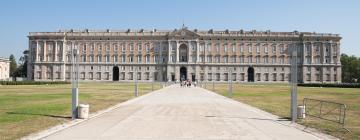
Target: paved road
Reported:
point(183, 113)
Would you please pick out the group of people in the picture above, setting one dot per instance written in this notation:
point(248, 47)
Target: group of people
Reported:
point(187, 83)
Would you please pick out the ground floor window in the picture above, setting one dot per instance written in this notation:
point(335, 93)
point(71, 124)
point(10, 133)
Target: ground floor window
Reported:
point(218, 77)
point(242, 77)
point(266, 75)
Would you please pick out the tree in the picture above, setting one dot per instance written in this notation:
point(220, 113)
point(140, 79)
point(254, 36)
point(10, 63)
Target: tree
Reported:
point(350, 68)
point(13, 65)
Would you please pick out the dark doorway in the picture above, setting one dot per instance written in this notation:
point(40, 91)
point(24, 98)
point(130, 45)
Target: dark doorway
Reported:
point(183, 74)
point(115, 73)
point(172, 77)
point(183, 53)
point(250, 74)
point(193, 77)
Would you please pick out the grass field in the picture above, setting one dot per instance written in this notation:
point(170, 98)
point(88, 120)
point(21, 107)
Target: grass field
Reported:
point(27, 109)
point(275, 98)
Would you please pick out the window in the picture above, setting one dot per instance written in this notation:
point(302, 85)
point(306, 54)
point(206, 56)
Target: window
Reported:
point(107, 58)
point(250, 48)
point(242, 48)
point(217, 59)
point(274, 48)
point(84, 49)
point(147, 48)
point(99, 48)
point(282, 60)
point(139, 58)
point(282, 50)
point(139, 47)
point(225, 48)
point(209, 47)
point(273, 60)
point(99, 58)
point(115, 58)
point(209, 76)
point(257, 59)
point(308, 60)
point(92, 47)
point(218, 47)
point(201, 48)
point(266, 59)
point(266, 49)
point(241, 59)
point(193, 58)
point(131, 47)
point(258, 48)
point(233, 59)
point(249, 59)
point(107, 47)
point(123, 48)
point(147, 58)
point(123, 58)
point(234, 47)
point(131, 58)
point(226, 59)
point(209, 58)
point(116, 48)
point(83, 58)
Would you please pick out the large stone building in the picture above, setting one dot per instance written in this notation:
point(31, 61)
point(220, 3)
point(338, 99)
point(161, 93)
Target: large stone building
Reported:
point(173, 55)
point(4, 68)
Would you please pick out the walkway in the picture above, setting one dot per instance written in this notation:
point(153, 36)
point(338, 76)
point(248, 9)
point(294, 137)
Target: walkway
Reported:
point(183, 113)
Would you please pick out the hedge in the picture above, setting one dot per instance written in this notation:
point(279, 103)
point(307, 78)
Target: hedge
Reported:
point(340, 85)
point(32, 82)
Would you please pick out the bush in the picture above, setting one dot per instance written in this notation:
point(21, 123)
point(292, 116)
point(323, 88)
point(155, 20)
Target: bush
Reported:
point(340, 85)
point(32, 82)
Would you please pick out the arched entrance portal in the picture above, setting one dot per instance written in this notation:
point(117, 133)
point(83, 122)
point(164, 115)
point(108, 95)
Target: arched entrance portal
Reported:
point(250, 74)
point(183, 51)
point(183, 74)
point(115, 73)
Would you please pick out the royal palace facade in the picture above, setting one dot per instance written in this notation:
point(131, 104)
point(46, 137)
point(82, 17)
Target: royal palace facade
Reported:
point(174, 55)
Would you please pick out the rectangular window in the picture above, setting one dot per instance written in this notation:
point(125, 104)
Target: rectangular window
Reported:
point(139, 47)
point(131, 47)
point(234, 47)
point(139, 59)
point(225, 47)
point(123, 58)
point(250, 48)
point(209, 47)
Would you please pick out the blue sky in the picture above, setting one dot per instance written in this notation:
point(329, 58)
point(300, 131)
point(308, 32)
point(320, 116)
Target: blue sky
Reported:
point(18, 17)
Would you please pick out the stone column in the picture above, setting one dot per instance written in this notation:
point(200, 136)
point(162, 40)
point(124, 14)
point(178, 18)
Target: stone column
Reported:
point(160, 62)
point(304, 52)
point(323, 53)
point(311, 52)
point(169, 52)
point(189, 50)
point(37, 51)
point(331, 53)
point(63, 68)
point(45, 47)
point(55, 49)
point(177, 51)
point(197, 51)
point(205, 52)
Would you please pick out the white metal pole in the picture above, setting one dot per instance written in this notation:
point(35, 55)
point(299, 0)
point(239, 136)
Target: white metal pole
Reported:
point(74, 81)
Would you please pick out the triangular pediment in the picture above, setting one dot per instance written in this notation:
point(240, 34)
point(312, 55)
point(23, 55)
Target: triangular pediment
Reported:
point(183, 33)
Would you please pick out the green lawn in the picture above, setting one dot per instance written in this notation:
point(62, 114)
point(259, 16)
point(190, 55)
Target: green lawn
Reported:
point(26, 109)
point(275, 98)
